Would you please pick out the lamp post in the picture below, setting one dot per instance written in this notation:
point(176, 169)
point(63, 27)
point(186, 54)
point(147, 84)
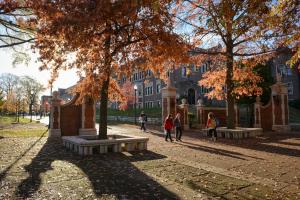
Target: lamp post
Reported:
point(135, 89)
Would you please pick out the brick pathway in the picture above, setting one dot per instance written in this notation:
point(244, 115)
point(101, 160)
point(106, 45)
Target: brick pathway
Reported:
point(262, 168)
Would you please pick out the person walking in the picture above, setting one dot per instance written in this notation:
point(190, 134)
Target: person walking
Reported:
point(212, 125)
point(143, 120)
point(168, 125)
point(178, 130)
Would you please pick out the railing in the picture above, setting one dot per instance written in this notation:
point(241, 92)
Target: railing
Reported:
point(294, 115)
point(150, 120)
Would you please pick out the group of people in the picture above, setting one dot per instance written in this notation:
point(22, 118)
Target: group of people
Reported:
point(170, 124)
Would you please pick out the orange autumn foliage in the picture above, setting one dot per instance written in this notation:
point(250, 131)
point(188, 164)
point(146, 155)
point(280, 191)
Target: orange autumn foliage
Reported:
point(230, 33)
point(104, 39)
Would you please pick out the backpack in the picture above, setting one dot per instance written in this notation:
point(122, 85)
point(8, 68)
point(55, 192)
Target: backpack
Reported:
point(145, 118)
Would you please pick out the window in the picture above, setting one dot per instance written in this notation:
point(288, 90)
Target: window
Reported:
point(290, 88)
point(158, 104)
point(123, 79)
point(283, 69)
point(183, 71)
point(135, 76)
point(148, 72)
point(139, 90)
point(193, 67)
point(148, 90)
point(141, 75)
point(158, 88)
point(204, 90)
point(140, 105)
point(149, 104)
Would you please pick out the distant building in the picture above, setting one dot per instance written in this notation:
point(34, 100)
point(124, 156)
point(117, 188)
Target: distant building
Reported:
point(45, 104)
point(185, 79)
point(290, 76)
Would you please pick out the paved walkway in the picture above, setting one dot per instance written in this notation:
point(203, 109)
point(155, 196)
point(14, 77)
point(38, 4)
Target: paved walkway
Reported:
point(263, 168)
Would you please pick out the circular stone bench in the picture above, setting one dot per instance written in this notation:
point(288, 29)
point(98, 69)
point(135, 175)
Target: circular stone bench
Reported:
point(238, 133)
point(85, 145)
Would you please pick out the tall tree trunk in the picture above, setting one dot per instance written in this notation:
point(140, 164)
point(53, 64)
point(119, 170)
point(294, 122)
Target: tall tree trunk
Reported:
point(105, 85)
point(103, 110)
point(230, 87)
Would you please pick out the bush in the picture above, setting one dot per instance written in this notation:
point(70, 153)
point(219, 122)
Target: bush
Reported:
point(150, 112)
point(295, 103)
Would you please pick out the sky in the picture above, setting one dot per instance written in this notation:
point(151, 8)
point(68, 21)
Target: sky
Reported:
point(65, 79)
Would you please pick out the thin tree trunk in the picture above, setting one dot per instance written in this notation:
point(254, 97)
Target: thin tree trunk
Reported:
point(230, 87)
point(30, 111)
point(16, 119)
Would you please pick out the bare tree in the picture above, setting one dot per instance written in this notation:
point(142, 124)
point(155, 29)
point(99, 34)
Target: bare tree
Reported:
point(7, 83)
point(15, 28)
point(32, 89)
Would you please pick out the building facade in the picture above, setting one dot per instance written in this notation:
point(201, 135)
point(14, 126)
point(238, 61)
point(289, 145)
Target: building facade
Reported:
point(289, 76)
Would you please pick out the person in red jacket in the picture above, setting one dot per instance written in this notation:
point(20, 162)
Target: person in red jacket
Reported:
point(168, 125)
point(212, 126)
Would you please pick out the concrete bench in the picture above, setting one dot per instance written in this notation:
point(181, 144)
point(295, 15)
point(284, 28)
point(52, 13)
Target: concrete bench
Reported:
point(84, 145)
point(238, 133)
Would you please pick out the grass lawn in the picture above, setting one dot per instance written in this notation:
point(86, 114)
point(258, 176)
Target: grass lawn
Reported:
point(25, 128)
point(4, 120)
point(41, 132)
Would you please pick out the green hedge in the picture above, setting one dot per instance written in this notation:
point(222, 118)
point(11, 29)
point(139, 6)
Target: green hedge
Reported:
point(150, 112)
point(295, 103)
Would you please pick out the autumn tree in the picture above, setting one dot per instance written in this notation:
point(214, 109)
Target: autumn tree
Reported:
point(128, 91)
point(286, 14)
point(31, 89)
point(245, 40)
point(105, 39)
point(8, 82)
point(14, 96)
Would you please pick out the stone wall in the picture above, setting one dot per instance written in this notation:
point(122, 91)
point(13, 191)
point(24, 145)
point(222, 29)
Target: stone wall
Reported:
point(72, 119)
point(274, 115)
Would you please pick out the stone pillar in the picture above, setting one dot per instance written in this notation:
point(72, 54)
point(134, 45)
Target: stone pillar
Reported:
point(88, 117)
point(200, 119)
point(257, 113)
point(55, 130)
point(185, 123)
point(280, 109)
point(168, 94)
point(237, 115)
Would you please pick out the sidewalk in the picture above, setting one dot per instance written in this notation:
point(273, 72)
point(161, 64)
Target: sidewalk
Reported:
point(259, 168)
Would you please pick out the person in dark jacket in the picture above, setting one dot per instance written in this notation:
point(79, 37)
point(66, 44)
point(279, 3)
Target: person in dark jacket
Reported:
point(178, 130)
point(143, 120)
point(168, 125)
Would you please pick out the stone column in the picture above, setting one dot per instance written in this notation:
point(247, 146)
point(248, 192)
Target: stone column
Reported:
point(199, 108)
point(257, 113)
point(237, 115)
point(280, 109)
point(55, 130)
point(88, 117)
point(185, 107)
point(168, 94)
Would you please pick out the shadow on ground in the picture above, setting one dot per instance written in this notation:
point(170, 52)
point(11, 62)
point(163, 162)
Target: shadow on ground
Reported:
point(108, 174)
point(270, 142)
point(4, 172)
